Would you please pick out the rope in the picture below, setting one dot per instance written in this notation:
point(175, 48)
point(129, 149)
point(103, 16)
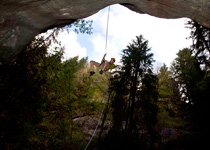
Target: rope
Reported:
point(99, 119)
point(107, 28)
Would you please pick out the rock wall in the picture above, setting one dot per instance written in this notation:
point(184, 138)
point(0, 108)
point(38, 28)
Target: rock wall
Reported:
point(21, 20)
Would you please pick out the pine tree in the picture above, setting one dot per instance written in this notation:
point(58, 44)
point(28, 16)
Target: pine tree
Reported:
point(137, 61)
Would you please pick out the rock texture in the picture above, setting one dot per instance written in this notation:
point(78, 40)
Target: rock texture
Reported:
point(88, 125)
point(21, 20)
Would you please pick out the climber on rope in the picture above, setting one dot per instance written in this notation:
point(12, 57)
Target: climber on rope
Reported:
point(103, 66)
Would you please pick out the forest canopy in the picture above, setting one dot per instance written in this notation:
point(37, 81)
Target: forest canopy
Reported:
point(48, 103)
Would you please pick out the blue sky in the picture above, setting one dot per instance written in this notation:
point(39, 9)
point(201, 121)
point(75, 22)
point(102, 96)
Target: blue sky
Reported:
point(166, 36)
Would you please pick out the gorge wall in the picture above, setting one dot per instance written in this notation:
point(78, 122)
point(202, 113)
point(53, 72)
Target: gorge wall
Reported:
point(21, 20)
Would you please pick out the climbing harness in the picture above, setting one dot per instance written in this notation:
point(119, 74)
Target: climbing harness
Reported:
point(99, 119)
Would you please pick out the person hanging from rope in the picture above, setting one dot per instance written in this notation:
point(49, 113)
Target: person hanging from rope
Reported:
point(104, 65)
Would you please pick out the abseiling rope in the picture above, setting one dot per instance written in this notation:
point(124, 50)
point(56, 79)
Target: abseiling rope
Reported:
point(99, 119)
point(107, 28)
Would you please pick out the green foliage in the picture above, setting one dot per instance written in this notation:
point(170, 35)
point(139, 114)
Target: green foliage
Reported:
point(135, 91)
point(81, 26)
point(166, 87)
point(200, 36)
point(189, 75)
point(68, 97)
point(148, 97)
point(42, 95)
point(169, 114)
point(23, 96)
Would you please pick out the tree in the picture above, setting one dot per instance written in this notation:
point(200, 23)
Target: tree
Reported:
point(164, 89)
point(192, 80)
point(187, 72)
point(167, 88)
point(134, 90)
point(27, 86)
point(200, 36)
point(194, 90)
point(136, 61)
point(147, 107)
point(119, 92)
point(23, 97)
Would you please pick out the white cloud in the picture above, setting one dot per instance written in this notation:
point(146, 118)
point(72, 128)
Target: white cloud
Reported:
point(165, 36)
point(71, 45)
point(98, 43)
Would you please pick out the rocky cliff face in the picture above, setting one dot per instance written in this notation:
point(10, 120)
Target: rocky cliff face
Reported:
point(21, 20)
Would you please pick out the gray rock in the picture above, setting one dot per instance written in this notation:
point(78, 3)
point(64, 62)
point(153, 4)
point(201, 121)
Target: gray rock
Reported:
point(21, 20)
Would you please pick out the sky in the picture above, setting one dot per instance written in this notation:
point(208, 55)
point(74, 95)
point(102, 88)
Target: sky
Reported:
point(165, 36)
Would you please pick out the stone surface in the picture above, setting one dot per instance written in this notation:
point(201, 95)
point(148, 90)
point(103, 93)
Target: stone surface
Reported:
point(88, 125)
point(21, 20)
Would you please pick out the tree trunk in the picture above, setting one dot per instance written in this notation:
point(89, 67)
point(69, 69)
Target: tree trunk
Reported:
point(128, 112)
point(104, 118)
point(131, 123)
